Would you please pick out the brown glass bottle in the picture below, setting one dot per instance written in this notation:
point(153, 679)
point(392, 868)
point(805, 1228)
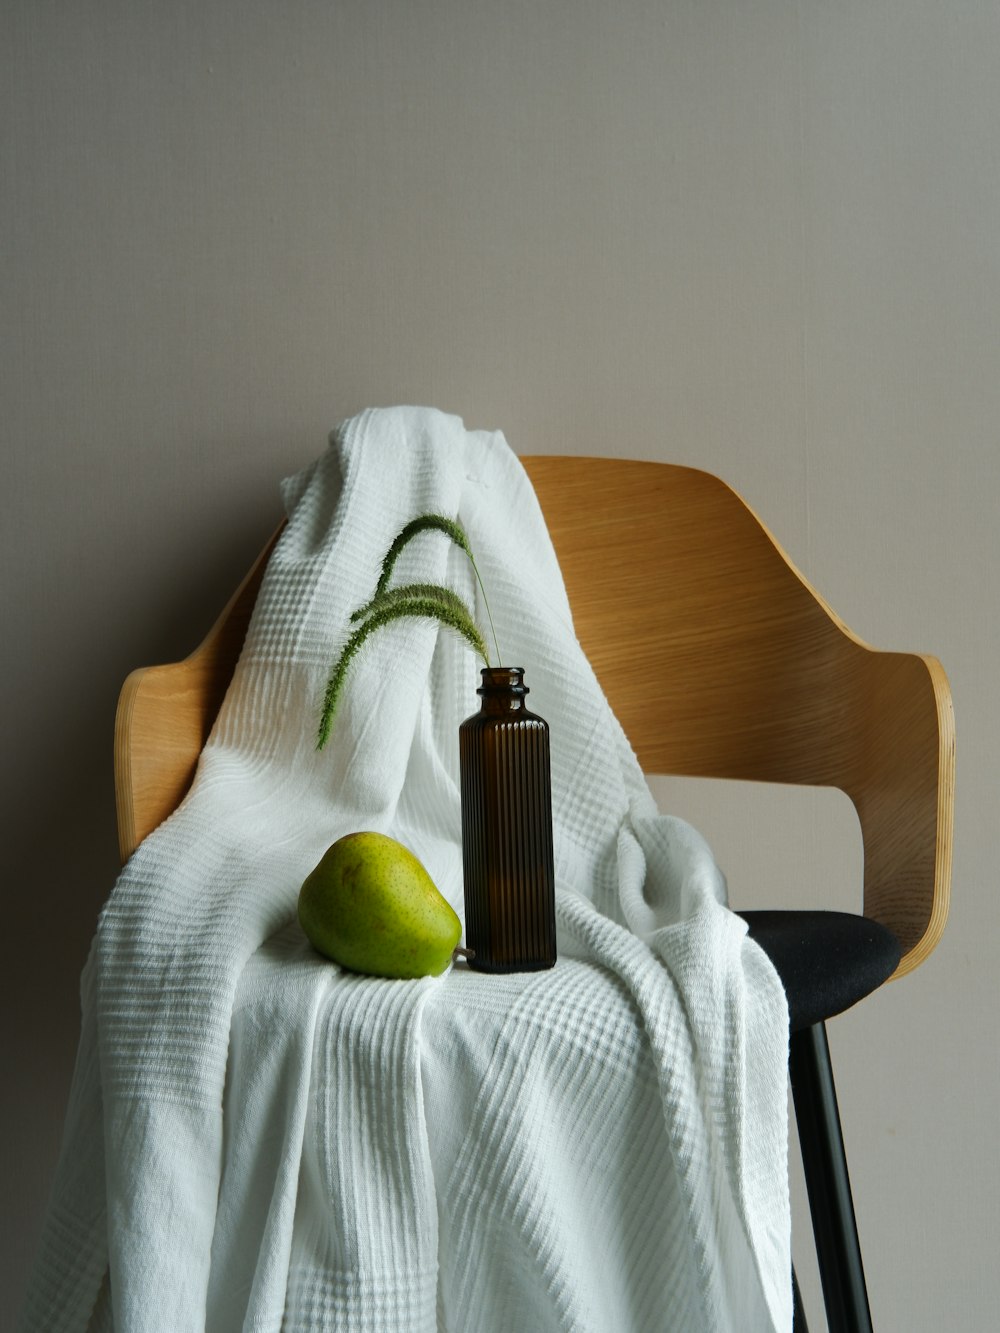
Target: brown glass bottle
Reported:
point(510, 921)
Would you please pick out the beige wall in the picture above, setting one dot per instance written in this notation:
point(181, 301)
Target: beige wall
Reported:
point(757, 236)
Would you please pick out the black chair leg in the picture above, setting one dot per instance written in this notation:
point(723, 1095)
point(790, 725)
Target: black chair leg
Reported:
point(827, 1183)
point(799, 1324)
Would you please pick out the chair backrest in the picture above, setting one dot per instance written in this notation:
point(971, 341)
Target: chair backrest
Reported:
point(717, 656)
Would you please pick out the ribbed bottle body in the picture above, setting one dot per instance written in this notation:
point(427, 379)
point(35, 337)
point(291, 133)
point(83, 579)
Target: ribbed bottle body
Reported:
point(507, 830)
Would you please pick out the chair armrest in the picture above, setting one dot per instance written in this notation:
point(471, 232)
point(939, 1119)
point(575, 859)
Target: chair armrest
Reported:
point(898, 767)
point(165, 714)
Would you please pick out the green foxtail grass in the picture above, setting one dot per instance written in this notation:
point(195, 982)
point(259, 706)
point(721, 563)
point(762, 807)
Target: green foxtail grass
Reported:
point(413, 599)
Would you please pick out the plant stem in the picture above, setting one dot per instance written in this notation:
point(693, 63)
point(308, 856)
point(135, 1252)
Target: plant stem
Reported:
point(434, 607)
point(424, 523)
point(486, 603)
point(414, 599)
point(408, 591)
point(451, 528)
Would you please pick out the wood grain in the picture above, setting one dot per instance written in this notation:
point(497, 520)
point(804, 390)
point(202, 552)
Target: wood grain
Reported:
point(721, 661)
point(165, 714)
point(717, 656)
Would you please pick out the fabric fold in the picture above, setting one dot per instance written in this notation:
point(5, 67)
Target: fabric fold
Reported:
point(273, 1143)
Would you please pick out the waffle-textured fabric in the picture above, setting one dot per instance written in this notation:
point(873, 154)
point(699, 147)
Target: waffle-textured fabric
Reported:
point(259, 1140)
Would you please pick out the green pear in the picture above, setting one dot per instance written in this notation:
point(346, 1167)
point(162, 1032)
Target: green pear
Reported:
point(372, 907)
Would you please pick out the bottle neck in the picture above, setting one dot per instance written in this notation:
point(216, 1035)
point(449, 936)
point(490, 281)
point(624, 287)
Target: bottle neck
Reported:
point(503, 690)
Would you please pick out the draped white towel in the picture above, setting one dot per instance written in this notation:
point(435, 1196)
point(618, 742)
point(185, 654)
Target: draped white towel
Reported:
point(257, 1140)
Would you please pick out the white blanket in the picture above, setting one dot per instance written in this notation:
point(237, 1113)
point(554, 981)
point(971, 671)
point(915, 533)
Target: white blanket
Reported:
point(257, 1140)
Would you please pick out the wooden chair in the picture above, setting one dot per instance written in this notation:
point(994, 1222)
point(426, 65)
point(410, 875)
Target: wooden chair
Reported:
point(720, 661)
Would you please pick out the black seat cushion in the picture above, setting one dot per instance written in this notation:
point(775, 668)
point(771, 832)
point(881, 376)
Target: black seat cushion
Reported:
point(827, 961)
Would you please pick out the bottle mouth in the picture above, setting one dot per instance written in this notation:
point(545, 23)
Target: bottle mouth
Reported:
point(507, 679)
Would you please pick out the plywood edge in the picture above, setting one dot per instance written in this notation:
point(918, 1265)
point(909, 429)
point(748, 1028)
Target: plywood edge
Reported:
point(941, 904)
point(124, 787)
